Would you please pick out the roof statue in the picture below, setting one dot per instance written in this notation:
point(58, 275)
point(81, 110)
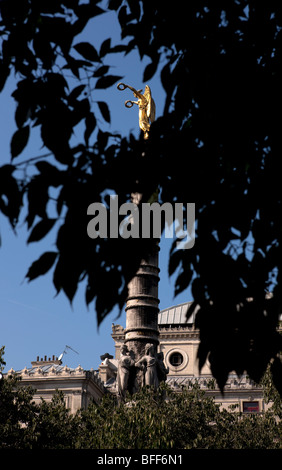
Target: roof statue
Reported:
point(147, 107)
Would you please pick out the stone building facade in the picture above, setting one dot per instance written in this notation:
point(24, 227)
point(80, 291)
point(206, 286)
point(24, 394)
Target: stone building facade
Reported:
point(179, 341)
point(48, 375)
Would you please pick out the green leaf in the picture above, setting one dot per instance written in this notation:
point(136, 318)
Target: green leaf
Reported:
point(174, 261)
point(19, 141)
point(66, 276)
point(119, 48)
point(135, 8)
point(150, 70)
point(90, 293)
point(114, 4)
point(87, 51)
point(41, 229)
point(42, 265)
point(50, 173)
point(104, 109)
point(105, 47)
point(4, 73)
point(106, 82)
point(76, 92)
point(10, 194)
point(182, 281)
point(101, 71)
point(90, 123)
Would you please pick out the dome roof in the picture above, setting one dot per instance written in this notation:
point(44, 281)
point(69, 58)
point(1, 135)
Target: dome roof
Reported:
point(176, 315)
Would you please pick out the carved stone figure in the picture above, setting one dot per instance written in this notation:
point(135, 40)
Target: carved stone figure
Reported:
point(125, 366)
point(146, 104)
point(132, 385)
point(148, 363)
point(161, 369)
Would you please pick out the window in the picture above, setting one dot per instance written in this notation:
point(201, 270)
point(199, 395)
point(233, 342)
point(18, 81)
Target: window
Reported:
point(176, 359)
point(250, 407)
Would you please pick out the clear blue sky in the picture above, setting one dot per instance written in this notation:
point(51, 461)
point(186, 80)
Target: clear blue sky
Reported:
point(33, 322)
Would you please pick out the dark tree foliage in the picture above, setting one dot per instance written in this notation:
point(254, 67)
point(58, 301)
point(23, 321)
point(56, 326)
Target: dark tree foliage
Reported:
point(218, 139)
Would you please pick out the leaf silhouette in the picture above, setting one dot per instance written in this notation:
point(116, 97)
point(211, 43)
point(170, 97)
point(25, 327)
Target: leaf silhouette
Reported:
point(41, 229)
point(86, 50)
point(19, 141)
point(104, 109)
point(42, 265)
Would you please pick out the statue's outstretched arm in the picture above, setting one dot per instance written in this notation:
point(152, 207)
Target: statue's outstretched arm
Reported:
point(137, 93)
point(130, 103)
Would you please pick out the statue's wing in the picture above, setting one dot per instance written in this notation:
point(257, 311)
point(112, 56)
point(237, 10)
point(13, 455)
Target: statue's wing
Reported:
point(153, 111)
point(151, 107)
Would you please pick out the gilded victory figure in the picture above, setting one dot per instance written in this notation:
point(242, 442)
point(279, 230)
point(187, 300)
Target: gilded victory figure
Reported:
point(146, 104)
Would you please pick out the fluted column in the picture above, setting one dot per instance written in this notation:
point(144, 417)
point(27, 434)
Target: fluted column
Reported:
point(142, 306)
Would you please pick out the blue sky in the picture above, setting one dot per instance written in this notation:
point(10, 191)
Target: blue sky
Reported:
point(33, 322)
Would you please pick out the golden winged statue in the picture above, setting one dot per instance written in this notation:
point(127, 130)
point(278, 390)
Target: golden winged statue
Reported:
point(146, 104)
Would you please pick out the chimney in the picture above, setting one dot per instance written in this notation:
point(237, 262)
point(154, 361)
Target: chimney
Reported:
point(45, 362)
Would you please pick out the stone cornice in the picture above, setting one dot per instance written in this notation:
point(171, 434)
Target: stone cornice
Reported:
point(208, 383)
point(57, 373)
point(178, 333)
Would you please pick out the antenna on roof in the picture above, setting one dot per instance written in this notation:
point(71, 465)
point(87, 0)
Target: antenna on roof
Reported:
point(65, 352)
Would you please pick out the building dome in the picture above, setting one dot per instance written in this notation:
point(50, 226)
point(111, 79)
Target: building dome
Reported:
point(176, 315)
